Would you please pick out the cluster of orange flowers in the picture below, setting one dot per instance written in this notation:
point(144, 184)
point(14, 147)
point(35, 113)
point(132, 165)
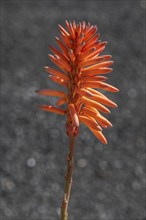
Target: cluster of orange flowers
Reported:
point(80, 69)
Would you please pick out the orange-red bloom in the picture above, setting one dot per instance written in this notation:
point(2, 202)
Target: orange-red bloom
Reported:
point(79, 68)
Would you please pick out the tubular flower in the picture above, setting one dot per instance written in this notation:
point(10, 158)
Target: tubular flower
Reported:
point(81, 70)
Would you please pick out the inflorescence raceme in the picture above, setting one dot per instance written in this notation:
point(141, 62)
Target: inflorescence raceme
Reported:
point(81, 70)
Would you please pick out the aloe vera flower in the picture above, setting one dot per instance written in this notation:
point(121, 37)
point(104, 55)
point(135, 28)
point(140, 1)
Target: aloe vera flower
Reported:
point(81, 70)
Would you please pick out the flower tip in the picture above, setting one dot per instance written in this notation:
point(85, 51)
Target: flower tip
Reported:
point(50, 56)
point(56, 38)
point(49, 46)
point(116, 90)
point(46, 67)
point(108, 111)
point(107, 57)
point(105, 142)
point(40, 107)
point(99, 128)
point(103, 139)
point(104, 43)
point(96, 27)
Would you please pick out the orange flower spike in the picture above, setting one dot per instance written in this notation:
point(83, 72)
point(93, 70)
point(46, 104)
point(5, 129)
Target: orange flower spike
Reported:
point(81, 68)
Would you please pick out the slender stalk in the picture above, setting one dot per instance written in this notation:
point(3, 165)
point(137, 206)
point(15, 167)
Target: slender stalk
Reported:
point(68, 180)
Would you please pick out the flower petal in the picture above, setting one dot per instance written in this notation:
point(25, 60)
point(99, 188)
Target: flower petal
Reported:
point(102, 70)
point(90, 43)
point(95, 104)
point(50, 108)
point(50, 92)
point(62, 30)
point(60, 63)
point(95, 92)
point(70, 30)
point(66, 41)
point(56, 73)
point(83, 92)
point(58, 80)
point(93, 78)
point(89, 122)
point(73, 114)
point(92, 61)
point(101, 120)
point(60, 101)
point(91, 31)
point(62, 47)
point(104, 101)
point(71, 55)
point(99, 85)
point(55, 51)
point(99, 135)
point(98, 65)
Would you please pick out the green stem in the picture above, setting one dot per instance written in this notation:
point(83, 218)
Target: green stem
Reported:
point(68, 181)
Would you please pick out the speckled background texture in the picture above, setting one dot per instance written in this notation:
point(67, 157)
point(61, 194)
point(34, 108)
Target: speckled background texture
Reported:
point(109, 180)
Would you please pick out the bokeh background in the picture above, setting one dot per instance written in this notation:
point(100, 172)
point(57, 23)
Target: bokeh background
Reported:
point(108, 181)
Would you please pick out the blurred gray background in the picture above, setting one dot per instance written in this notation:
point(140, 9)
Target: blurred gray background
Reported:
point(109, 180)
